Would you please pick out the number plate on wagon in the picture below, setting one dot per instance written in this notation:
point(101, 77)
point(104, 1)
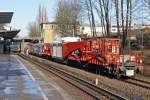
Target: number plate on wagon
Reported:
point(129, 72)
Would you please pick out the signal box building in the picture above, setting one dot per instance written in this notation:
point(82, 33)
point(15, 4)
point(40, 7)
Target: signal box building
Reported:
point(48, 32)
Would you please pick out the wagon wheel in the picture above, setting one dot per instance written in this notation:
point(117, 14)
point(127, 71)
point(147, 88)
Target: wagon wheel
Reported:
point(66, 61)
point(118, 76)
point(137, 71)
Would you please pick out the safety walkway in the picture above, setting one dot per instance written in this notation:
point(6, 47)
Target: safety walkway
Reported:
point(19, 80)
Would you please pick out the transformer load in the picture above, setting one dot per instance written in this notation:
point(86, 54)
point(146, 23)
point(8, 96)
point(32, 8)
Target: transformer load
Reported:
point(66, 39)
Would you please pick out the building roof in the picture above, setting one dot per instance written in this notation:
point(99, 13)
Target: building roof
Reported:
point(5, 17)
point(9, 34)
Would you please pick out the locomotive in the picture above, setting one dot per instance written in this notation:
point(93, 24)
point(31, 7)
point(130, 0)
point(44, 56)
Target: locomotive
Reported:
point(104, 52)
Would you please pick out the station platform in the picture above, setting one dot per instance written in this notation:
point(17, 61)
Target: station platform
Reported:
point(20, 81)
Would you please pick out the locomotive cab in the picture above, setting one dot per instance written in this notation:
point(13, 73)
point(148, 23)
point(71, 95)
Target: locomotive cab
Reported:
point(127, 66)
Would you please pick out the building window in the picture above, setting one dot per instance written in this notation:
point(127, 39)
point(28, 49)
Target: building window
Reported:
point(113, 30)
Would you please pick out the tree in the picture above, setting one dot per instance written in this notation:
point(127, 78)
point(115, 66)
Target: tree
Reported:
point(34, 27)
point(41, 17)
point(125, 13)
point(68, 15)
point(102, 7)
point(125, 19)
point(117, 16)
point(91, 18)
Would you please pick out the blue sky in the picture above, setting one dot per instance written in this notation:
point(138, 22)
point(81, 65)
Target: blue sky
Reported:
point(25, 11)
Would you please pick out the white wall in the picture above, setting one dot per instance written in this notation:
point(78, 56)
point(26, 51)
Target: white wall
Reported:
point(87, 30)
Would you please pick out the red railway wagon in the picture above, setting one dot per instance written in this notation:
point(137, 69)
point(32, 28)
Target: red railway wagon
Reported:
point(98, 51)
point(105, 51)
point(29, 48)
point(34, 48)
point(47, 50)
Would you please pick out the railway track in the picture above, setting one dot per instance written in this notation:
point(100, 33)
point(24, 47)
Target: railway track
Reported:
point(139, 82)
point(82, 84)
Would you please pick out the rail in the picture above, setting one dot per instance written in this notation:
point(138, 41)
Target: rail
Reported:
point(138, 82)
point(84, 85)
